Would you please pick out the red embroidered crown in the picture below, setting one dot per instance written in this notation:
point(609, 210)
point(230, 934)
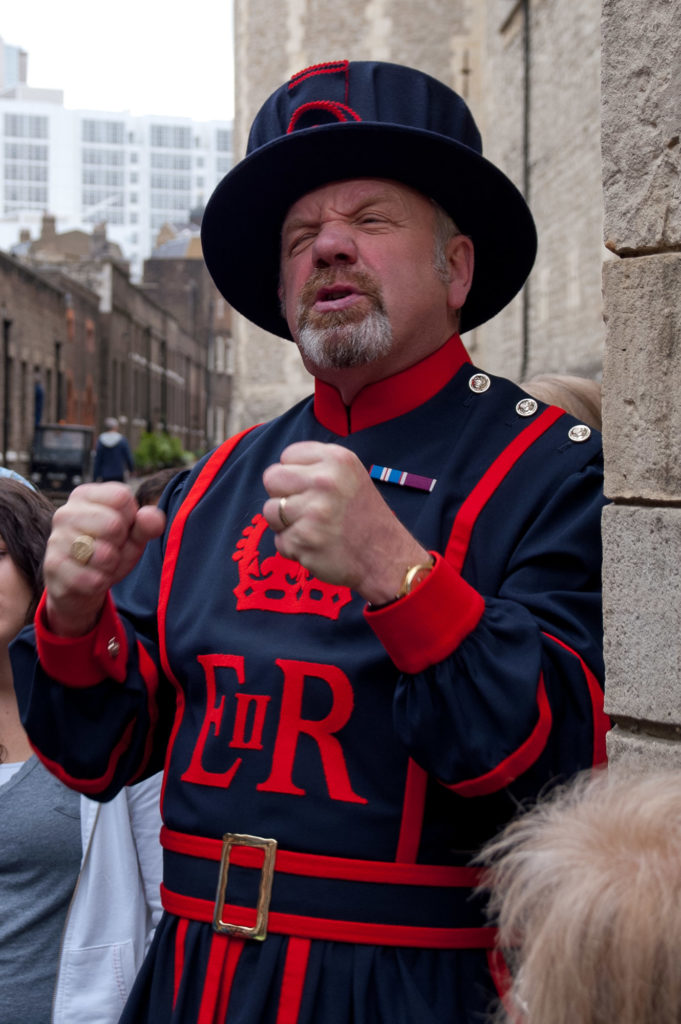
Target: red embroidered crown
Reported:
point(280, 584)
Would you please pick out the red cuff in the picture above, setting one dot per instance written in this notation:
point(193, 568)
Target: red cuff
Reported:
point(84, 660)
point(427, 625)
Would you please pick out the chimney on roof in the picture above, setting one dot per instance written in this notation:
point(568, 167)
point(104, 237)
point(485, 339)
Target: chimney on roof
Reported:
point(48, 231)
point(98, 240)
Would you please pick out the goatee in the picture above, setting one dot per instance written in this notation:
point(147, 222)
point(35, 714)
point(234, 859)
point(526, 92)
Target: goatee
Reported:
point(342, 338)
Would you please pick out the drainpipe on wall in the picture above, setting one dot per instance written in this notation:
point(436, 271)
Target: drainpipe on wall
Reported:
point(6, 327)
point(527, 52)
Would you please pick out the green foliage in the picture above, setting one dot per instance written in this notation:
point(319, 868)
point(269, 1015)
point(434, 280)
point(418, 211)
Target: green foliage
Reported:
point(157, 450)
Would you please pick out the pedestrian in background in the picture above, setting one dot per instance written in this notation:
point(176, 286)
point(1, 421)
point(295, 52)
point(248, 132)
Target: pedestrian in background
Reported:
point(113, 458)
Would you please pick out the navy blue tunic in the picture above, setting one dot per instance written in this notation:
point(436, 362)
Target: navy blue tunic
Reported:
point(378, 747)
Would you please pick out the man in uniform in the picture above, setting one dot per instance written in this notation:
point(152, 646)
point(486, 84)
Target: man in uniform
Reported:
point(364, 632)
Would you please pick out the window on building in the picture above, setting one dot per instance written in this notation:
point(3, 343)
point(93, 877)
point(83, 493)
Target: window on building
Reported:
point(99, 157)
point(101, 176)
point(25, 172)
point(111, 132)
point(177, 182)
point(26, 126)
point(26, 151)
point(219, 354)
point(170, 136)
point(171, 162)
point(223, 140)
point(170, 201)
point(32, 196)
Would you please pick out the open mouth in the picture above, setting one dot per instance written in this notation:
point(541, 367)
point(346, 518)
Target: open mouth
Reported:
point(336, 297)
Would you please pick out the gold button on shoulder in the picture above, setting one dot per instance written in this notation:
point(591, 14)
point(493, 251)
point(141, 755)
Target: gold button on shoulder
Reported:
point(479, 383)
point(580, 432)
point(526, 407)
point(114, 647)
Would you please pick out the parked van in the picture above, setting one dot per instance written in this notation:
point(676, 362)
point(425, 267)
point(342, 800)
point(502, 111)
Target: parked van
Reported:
point(61, 457)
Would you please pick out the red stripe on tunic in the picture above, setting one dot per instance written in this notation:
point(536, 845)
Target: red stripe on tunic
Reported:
point(91, 787)
point(178, 966)
point(601, 721)
point(501, 976)
point(234, 951)
point(304, 927)
point(516, 763)
point(198, 489)
point(457, 548)
point(293, 981)
point(222, 960)
point(313, 865)
point(466, 517)
point(412, 813)
point(150, 676)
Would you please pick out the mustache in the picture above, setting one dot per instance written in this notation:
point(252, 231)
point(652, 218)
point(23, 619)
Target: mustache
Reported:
point(329, 276)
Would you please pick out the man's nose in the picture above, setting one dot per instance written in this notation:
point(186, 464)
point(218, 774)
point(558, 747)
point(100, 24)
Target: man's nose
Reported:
point(334, 244)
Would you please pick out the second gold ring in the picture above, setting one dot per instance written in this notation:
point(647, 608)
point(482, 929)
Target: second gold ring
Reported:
point(282, 513)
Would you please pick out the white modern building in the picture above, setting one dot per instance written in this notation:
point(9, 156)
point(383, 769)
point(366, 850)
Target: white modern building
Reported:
point(87, 167)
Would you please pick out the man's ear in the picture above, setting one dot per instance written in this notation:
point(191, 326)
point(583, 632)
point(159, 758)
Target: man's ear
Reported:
point(460, 260)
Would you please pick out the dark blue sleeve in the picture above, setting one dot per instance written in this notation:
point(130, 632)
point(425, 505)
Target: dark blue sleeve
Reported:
point(94, 728)
point(520, 701)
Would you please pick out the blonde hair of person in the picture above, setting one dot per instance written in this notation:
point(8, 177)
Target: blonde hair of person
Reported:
point(587, 891)
point(580, 396)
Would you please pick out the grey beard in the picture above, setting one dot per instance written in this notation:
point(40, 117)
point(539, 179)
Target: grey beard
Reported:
point(343, 345)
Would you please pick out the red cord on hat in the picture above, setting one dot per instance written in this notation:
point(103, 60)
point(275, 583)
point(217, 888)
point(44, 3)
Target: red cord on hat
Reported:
point(338, 109)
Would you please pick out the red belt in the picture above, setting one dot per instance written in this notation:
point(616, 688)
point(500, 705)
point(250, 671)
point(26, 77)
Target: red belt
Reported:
point(247, 851)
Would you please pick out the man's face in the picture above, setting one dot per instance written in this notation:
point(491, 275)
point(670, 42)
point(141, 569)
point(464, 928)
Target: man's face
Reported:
point(358, 281)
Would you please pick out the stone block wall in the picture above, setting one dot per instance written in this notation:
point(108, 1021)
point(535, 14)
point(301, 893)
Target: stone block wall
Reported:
point(544, 55)
point(641, 86)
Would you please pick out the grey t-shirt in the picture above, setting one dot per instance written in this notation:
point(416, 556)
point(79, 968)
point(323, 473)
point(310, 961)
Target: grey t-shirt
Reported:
point(40, 853)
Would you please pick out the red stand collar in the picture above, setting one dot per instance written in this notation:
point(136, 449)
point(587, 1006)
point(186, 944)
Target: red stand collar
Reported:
point(393, 396)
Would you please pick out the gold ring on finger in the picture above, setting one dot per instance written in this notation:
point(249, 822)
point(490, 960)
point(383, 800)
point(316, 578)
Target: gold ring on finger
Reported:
point(282, 514)
point(82, 548)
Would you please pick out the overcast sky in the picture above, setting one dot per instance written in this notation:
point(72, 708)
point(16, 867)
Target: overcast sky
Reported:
point(143, 56)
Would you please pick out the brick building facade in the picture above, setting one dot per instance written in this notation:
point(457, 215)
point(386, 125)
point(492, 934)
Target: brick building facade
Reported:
point(98, 345)
point(50, 332)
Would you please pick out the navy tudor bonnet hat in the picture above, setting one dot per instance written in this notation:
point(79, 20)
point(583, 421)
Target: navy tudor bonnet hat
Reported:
point(363, 119)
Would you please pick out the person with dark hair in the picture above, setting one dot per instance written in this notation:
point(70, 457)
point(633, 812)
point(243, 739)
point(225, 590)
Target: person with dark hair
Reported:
point(113, 457)
point(358, 635)
point(79, 880)
point(586, 888)
point(152, 487)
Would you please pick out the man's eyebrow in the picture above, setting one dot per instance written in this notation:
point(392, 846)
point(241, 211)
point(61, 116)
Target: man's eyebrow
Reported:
point(297, 222)
point(376, 199)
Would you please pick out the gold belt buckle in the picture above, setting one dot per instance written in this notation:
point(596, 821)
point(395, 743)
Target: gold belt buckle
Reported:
point(259, 931)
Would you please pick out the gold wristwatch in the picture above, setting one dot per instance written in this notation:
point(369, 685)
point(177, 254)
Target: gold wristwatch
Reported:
point(414, 575)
